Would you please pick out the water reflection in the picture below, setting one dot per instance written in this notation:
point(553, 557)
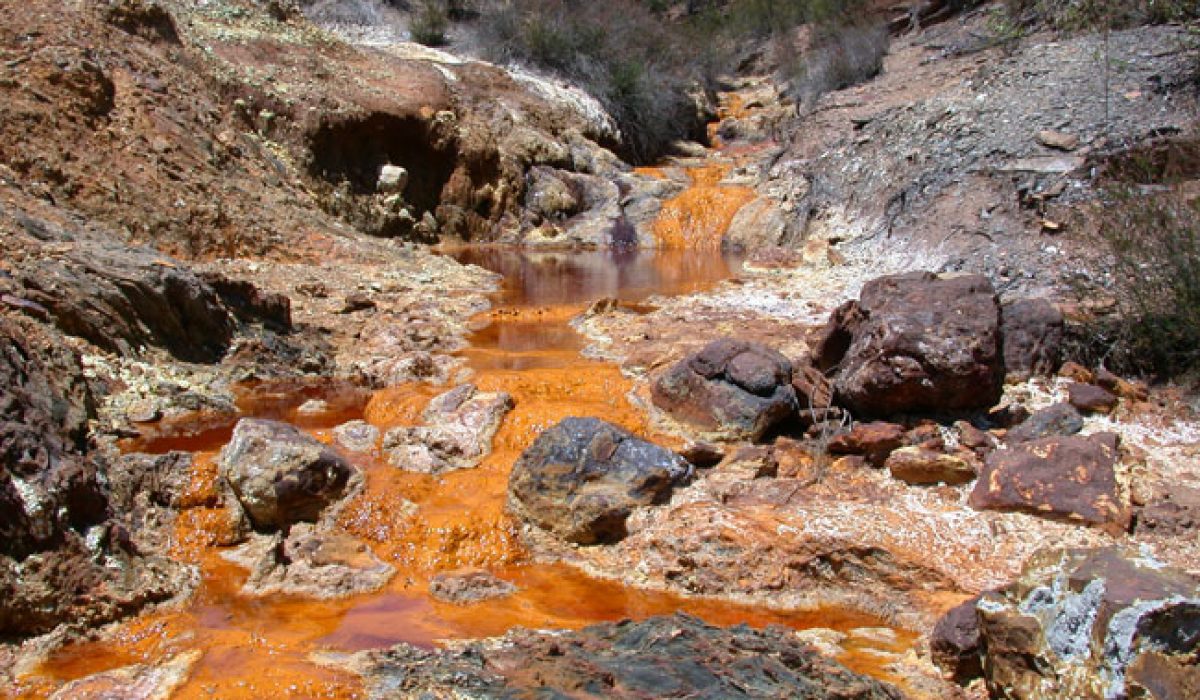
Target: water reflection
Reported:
point(553, 278)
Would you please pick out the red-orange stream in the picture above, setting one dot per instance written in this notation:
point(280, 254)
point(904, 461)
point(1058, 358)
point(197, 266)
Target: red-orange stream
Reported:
point(259, 647)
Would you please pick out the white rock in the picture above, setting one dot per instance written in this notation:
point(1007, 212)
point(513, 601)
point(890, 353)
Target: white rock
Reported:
point(392, 178)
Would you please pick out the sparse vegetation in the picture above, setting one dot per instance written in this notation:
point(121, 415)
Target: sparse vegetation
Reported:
point(842, 55)
point(630, 59)
point(648, 69)
point(1154, 243)
point(1092, 15)
point(430, 21)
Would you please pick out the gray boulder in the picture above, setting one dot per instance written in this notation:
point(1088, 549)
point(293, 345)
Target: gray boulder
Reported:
point(581, 479)
point(280, 475)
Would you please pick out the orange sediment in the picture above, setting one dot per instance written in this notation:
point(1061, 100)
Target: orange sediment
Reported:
point(699, 217)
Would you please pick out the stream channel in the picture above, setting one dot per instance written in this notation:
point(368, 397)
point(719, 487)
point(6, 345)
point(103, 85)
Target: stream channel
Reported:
point(524, 345)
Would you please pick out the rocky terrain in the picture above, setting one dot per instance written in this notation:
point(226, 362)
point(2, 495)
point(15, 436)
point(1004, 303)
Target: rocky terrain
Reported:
point(260, 438)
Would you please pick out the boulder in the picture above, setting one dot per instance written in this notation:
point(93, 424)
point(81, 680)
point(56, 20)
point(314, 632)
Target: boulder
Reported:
point(581, 479)
point(280, 475)
point(732, 389)
point(675, 656)
point(919, 343)
point(1067, 478)
point(458, 431)
point(466, 587)
point(1076, 622)
point(1089, 398)
point(875, 441)
point(1059, 419)
point(920, 465)
point(1032, 331)
point(954, 642)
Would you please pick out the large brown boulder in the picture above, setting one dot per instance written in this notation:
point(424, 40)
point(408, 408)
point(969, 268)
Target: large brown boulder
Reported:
point(1033, 336)
point(581, 478)
point(280, 475)
point(1077, 622)
point(1068, 478)
point(916, 343)
point(731, 389)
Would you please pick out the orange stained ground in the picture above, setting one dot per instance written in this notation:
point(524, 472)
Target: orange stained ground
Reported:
point(259, 647)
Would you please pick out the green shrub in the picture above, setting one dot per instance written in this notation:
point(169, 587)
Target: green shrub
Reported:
point(1153, 240)
point(430, 20)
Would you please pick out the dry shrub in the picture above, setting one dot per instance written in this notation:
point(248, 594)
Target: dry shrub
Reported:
point(1092, 15)
point(843, 55)
point(639, 66)
point(1153, 240)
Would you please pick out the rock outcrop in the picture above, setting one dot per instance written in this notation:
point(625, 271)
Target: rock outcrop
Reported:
point(731, 389)
point(1071, 478)
point(581, 479)
point(66, 556)
point(662, 657)
point(1091, 623)
point(917, 343)
point(281, 476)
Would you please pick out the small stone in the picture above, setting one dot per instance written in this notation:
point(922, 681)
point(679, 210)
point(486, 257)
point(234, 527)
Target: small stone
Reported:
point(875, 441)
point(1091, 399)
point(954, 643)
point(1076, 372)
point(356, 436)
point(1057, 140)
point(919, 465)
point(1130, 391)
point(312, 407)
point(144, 412)
point(392, 179)
point(703, 455)
point(471, 586)
point(1059, 419)
point(357, 301)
